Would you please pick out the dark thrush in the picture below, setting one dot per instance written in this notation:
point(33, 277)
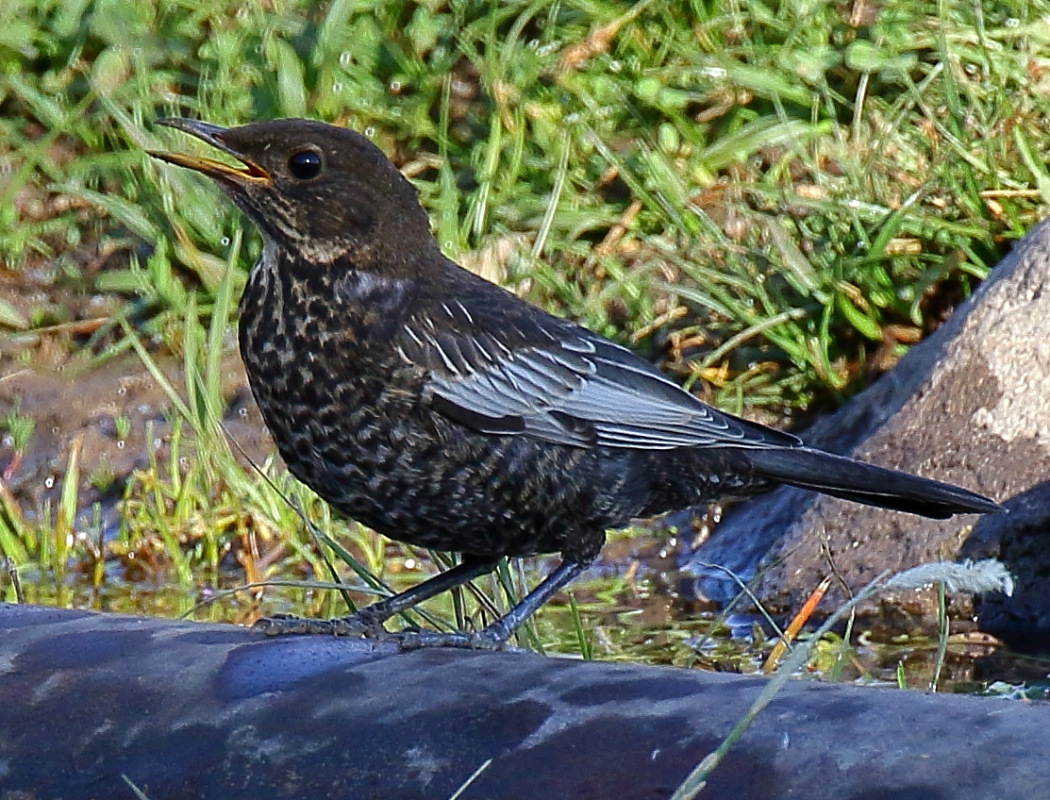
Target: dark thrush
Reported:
point(443, 411)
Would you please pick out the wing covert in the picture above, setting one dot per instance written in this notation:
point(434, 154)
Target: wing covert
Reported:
point(567, 386)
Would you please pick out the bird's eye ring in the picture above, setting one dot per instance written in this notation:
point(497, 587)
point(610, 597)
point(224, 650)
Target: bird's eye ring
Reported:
point(305, 164)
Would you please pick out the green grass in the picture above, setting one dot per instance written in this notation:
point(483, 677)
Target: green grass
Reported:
point(803, 181)
point(771, 199)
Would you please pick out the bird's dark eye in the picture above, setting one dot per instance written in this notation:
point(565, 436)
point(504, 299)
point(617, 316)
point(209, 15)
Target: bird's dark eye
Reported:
point(305, 164)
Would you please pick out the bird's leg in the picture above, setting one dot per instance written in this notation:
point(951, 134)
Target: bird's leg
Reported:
point(369, 620)
point(496, 635)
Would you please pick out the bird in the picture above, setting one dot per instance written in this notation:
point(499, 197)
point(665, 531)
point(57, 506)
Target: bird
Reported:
point(443, 411)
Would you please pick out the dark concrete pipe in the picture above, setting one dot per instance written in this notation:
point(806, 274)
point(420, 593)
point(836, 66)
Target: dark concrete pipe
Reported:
point(188, 710)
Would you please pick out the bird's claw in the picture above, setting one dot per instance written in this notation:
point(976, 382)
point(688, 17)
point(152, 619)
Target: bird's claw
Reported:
point(419, 639)
point(359, 624)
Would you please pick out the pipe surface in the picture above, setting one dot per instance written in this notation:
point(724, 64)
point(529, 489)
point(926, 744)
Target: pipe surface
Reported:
point(202, 711)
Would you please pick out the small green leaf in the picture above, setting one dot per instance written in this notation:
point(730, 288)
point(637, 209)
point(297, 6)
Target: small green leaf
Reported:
point(11, 317)
point(864, 324)
point(291, 85)
point(864, 56)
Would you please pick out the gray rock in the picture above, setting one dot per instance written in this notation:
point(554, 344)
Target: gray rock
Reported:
point(214, 712)
point(970, 405)
point(1020, 541)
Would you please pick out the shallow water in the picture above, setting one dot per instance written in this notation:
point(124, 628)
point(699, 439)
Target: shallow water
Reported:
point(626, 614)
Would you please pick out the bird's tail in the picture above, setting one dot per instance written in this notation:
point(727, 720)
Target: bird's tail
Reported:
point(865, 483)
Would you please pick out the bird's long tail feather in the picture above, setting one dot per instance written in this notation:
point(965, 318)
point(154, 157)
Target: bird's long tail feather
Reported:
point(866, 483)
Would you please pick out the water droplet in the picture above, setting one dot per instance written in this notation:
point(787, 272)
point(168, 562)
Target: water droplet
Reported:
point(370, 131)
point(344, 58)
point(120, 445)
point(337, 87)
point(225, 241)
point(395, 86)
point(49, 483)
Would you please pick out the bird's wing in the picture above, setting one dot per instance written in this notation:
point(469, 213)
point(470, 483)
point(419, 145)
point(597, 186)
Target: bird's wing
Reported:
point(554, 381)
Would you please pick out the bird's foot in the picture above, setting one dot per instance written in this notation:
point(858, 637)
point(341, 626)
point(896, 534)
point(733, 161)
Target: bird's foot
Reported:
point(359, 624)
point(494, 637)
point(407, 639)
point(490, 638)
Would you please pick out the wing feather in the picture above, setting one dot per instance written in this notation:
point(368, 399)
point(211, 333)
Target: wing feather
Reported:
point(568, 386)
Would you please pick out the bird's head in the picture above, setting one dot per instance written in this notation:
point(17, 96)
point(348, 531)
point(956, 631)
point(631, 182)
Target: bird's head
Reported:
point(325, 191)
